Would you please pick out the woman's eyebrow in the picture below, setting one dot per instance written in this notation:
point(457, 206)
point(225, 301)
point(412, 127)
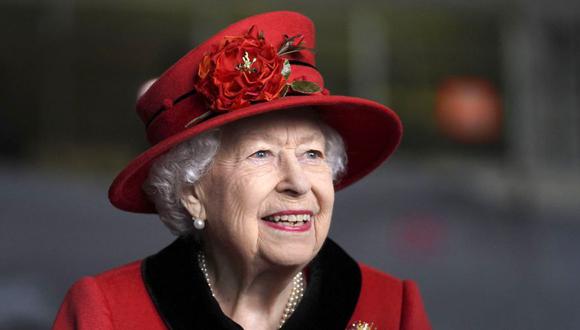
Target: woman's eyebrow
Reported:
point(312, 137)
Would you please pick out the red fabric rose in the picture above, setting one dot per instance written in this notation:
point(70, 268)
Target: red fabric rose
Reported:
point(241, 70)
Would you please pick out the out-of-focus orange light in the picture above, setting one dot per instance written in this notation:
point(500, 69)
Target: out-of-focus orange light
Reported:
point(468, 110)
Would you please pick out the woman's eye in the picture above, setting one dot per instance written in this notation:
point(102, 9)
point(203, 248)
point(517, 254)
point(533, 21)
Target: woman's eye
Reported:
point(313, 154)
point(261, 154)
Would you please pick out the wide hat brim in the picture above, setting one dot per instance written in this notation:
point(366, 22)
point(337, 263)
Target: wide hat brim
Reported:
point(370, 130)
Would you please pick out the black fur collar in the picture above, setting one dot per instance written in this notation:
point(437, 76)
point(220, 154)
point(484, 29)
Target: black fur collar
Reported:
point(182, 297)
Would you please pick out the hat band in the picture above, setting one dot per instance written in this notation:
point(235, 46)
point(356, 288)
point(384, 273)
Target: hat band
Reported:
point(168, 105)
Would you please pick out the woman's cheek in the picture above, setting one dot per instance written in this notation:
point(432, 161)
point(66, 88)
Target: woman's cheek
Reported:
point(259, 173)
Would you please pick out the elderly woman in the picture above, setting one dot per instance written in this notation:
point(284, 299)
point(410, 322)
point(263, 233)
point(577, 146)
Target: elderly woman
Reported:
point(248, 150)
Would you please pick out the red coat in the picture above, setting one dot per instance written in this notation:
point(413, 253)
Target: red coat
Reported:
point(167, 291)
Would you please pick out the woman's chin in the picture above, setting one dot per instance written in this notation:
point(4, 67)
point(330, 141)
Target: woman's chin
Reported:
point(287, 246)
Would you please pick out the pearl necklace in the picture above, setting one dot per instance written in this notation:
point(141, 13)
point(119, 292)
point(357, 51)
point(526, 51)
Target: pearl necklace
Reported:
point(295, 295)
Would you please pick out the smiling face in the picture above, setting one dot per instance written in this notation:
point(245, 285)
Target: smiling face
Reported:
point(268, 195)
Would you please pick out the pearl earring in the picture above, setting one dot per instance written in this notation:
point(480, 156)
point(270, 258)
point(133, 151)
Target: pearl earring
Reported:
point(198, 224)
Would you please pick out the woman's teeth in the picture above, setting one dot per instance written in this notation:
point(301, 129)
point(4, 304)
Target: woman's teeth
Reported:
point(293, 219)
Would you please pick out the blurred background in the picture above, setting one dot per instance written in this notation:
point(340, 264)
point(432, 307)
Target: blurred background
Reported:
point(480, 205)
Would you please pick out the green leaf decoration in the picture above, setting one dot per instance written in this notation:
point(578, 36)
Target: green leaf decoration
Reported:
point(198, 119)
point(285, 90)
point(288, 44)
point(288, 47)
point(305, 87)
point(286, 70)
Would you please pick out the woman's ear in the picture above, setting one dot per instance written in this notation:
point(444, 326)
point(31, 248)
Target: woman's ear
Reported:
point(192, 203)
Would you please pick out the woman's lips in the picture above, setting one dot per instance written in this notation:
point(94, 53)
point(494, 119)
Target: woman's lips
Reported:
point(290, 220)
point(290, 212)
point(305, 226)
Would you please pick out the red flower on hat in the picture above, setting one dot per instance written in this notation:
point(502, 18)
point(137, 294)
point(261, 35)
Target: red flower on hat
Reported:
point(242, 70)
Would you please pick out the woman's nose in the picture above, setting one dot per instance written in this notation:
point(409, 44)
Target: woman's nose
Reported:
point(293, 179)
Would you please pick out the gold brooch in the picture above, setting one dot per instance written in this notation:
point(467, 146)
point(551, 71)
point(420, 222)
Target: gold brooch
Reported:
point(360, 325)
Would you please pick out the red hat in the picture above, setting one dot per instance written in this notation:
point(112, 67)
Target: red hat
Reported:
point(260, 64)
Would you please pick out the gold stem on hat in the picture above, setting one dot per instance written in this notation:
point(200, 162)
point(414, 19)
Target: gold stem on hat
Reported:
point(246, 65)
point(198, 119)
